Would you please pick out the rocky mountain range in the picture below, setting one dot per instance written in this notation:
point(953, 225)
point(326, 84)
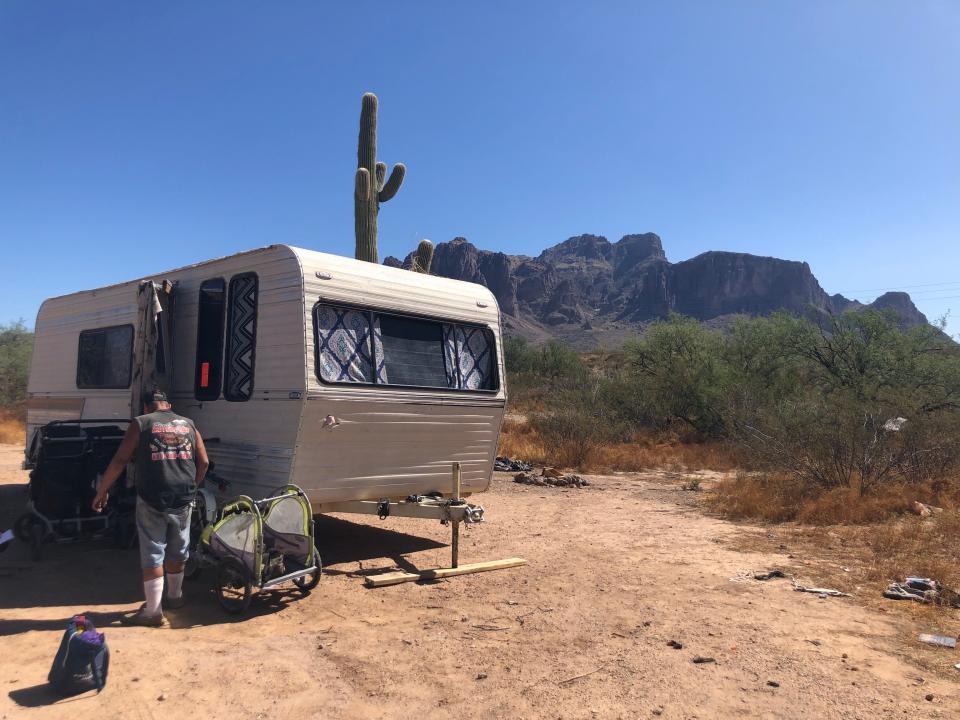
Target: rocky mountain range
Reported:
point(587, 290)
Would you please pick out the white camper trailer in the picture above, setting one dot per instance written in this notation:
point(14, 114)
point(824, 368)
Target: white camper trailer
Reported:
point(355, 381)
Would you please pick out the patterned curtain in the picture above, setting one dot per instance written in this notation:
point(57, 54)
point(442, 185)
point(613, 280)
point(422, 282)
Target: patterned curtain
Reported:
point(344, 345)
point(241, 337)
point(378, 347)
point(476, 355)
point(450, 355)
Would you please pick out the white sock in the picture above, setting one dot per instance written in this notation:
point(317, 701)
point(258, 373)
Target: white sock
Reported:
point(175, 584)
point(153, 592)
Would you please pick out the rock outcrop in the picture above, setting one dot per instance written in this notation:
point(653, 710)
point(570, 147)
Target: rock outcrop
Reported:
point(587, 290)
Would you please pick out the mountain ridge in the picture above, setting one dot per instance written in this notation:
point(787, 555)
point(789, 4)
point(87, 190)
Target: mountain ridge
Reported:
point(587, 290)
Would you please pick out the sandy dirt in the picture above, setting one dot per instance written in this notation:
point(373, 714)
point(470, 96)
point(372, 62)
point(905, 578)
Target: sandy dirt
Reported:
point(616, 571)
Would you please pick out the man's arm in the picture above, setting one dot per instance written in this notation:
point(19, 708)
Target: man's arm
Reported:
point(200, 458)
point(128, 446)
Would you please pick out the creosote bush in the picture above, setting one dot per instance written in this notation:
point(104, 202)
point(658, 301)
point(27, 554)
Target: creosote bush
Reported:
point(825, 411)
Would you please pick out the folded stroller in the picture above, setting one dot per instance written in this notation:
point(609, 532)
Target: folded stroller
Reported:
point(66, 459)
point(258, 545)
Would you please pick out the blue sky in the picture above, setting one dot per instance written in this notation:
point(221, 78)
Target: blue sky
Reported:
point(136, 137)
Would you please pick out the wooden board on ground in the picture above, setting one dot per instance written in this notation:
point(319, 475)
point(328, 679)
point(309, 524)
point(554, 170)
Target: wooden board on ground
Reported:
point(395, 578)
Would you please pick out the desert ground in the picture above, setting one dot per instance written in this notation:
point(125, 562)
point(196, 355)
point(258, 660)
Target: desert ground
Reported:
point(616, 571)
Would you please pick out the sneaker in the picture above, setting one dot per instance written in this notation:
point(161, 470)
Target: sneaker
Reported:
point(173, 602)
point(143, 620)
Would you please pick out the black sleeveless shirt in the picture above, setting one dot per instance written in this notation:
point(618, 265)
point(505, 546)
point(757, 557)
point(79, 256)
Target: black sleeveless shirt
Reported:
point(166, 470)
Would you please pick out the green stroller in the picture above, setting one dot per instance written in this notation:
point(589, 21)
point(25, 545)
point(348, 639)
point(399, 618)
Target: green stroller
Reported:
point(258, 545)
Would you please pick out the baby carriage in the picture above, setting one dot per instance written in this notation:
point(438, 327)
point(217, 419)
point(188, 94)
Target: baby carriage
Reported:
point(66, 457)
point(259, 544)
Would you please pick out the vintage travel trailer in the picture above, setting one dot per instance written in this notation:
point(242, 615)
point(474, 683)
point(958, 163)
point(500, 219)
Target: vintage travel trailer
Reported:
point(353, 380)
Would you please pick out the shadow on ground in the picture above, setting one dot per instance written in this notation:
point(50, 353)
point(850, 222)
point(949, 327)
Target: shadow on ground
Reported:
point(81, 575)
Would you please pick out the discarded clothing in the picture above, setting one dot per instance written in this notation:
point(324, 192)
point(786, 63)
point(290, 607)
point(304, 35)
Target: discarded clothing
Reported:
point(505, 464)
point(924, 590)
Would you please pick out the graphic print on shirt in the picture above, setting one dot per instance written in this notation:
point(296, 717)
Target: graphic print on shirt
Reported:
point(171, 441)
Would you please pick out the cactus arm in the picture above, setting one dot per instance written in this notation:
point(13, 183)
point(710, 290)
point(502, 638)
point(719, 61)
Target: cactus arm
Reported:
point(423, 257)
point(362, 191)
point(381, 174)
point(394, 183)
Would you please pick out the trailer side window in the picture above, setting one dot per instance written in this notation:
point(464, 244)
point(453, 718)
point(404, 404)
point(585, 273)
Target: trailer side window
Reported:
point(471, 349)
point(207, 375)
point(241, 337)
point(343, 344)
point(105, 357)
point(406, 351)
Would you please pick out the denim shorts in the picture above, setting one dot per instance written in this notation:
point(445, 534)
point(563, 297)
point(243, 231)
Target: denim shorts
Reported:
point(162, 535)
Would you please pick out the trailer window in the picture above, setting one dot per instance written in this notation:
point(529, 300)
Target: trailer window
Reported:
point(105, 357)
point(411, 351)
point(207, 375)
point(343, 344)
point(241, 337)
point(406, 351)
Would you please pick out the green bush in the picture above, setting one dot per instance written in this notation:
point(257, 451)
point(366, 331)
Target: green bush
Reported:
point(16, 347)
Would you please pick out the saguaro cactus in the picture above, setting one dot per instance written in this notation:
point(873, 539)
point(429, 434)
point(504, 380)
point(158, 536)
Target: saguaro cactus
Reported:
point(423, 257)
point(370, 189)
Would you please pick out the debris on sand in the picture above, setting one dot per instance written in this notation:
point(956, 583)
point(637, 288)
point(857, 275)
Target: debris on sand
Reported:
point(505, 464)
point(675, 644)
point(924, 590)
point(769, 575)
point(924, 510)
point(550, 477)
point(822, 592)
point(940, 640)
point(700, 660)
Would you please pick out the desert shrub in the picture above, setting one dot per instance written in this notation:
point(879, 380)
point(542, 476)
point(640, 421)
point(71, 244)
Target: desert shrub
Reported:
point(854, 401)
point(679, 373)
point(16, 347)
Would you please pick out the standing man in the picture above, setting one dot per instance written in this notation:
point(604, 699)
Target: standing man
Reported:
point(171, 462)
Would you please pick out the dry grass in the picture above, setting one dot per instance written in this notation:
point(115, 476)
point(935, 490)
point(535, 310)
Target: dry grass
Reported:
point(12, 429)
point(782, 498)
point(669, 451)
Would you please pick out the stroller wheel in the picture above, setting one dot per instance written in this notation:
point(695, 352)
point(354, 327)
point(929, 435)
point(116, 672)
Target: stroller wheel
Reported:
point(192, 567)
point(21, 528)
point(30, 529)
point(309, 582)
point(233, 585)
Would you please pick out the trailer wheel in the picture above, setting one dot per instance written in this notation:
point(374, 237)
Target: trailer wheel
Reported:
point(233, 585)
point(307, 583)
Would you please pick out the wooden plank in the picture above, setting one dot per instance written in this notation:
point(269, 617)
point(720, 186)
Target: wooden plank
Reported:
point(395, 578)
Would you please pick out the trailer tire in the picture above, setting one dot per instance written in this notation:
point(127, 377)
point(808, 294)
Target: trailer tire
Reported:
point(233, 585)
point(308, 582)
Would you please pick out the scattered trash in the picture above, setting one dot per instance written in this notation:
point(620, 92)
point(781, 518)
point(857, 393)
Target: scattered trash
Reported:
point(940, 640)
point(481, 676)
point(675, 644)
point(700, 660)
point(769, 575)
point(924, 510)
point(921, 589)
point(822, 592)
point(894, 424)
point(929, 697)
point(543, 479)
point(773, 683)
point(505, 464)
point(957, 666)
